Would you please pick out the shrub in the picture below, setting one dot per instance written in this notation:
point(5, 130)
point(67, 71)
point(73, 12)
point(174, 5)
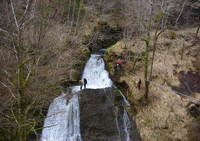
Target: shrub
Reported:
point(171, 35)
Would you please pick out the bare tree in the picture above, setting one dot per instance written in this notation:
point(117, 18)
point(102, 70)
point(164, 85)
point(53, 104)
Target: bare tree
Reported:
point(18, 124)
point(197, 31)
point(152, 24)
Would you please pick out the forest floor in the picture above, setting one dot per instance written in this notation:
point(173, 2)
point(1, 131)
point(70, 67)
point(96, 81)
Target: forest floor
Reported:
point(168, 116)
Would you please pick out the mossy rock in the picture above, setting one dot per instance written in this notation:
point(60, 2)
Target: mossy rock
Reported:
point(107, 36)
point(75, 75)
point(83, 51)
point(107, 41)
point(116, 48)
point(102, 23)
point(111, 68)
point(117, 100)
point(66, 84)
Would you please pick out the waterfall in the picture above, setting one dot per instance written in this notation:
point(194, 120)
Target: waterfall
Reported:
point(95, 73)
point(63, 118)
point(127, 126)
point(63, 121)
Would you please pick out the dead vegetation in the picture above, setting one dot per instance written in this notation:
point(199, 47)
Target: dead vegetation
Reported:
point(44, 43)
point(167, 116)
point(37, 53)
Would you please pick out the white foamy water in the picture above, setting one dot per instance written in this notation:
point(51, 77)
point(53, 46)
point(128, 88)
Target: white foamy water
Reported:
point(127, 126)
point(63, 120)
point(95, 73)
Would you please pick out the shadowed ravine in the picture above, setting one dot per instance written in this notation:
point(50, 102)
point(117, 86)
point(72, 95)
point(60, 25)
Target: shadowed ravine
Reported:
point(93, 114)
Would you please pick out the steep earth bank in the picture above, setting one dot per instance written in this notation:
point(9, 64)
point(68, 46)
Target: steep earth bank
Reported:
point(168, 116)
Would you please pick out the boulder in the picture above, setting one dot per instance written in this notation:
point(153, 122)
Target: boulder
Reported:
point(98, 120)
point(103, 116)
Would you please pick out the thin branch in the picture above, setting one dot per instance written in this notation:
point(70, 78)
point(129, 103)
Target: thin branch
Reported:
point(5, 31)
point(29, 73)
point(35, 132)
point(181, 11)
point(15, 50)
point(26, 22)
point(78, 17)
point(15, 118)
point(7, 39)
point(14, 15)
point(68, 16)
point(8, 89)
point(197, 31)
point(25, 11)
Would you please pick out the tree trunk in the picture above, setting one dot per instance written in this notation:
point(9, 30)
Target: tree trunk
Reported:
point(197, 31)
point(146, 64)
point(146, 89)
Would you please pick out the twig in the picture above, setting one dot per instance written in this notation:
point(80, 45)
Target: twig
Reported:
point(8, 89)
point(35, 132)
point(15, 118)
point(27, 7)
point(29, 73)
point(5, 31)
point(197, 31)
point(181, 11)
point(26, 22)
point(14, 15)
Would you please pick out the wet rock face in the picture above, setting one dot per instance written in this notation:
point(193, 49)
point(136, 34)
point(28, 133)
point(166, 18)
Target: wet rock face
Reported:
point(123, 86)
point(103, 36)
point(104, 118)
point(98, 121)
point(66, 84)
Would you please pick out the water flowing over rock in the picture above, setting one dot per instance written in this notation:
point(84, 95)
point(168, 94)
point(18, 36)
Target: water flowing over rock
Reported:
point(96, 113)
point(103, 117)
point(62, 121)
point(98, 120)
point(95, 73)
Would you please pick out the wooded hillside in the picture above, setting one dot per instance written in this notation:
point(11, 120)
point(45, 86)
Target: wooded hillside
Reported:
point(44, 43)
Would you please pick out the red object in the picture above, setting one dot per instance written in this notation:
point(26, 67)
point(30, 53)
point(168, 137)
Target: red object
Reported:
point(119, 62)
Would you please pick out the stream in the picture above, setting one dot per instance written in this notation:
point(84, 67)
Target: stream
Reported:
point(90, 114)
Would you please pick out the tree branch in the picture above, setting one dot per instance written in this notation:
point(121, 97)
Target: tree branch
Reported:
point(181, 11)
point(14, 15)
point(25, 11)
point(8, 89)
point(5, 31)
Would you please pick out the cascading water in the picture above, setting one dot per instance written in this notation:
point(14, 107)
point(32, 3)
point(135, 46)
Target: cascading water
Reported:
point(95, 73)
point(127, 126)
point(63, 119)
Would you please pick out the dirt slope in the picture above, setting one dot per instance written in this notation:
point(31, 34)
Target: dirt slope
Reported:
point(166, 117)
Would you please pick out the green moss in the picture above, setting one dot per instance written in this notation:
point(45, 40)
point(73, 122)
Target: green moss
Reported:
point(116, 47)
point(108, 35)
point(147, 123)
point(111, 69)
point(75, 75)
point(171, 35)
